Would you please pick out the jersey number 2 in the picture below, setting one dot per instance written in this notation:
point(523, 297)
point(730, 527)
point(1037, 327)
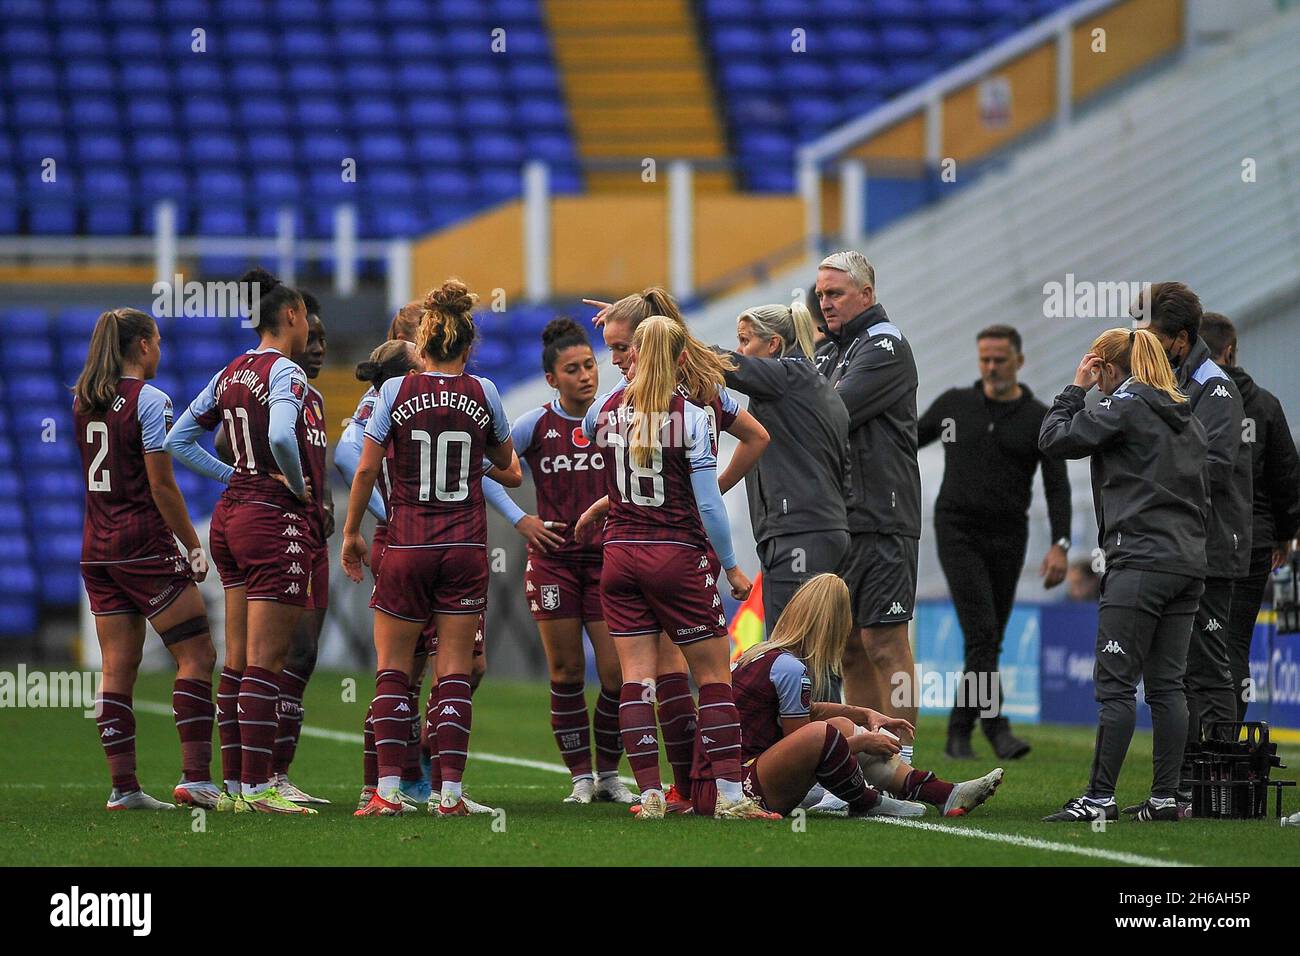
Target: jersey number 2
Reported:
point(98, 479)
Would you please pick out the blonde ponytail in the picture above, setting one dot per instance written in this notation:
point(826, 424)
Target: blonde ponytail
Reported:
point(1139, 353)
point(792, 324)
point(659, 342)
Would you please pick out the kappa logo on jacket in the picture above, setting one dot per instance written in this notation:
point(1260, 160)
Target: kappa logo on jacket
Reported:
point(1213, 626)
point(1220, 392)
point(1112, 647)
point(1104, 403)
point(887, 344)
point(897, 608)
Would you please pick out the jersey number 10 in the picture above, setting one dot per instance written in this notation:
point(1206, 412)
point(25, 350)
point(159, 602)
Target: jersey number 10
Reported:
point(443, 490)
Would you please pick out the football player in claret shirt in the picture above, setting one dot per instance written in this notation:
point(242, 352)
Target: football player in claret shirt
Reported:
point(791, 742)
point(262, 538)
point(562, 577)
point(665, 510)
point(131, 567)
point(674, 705)
point(303, 647)
point(439, 425)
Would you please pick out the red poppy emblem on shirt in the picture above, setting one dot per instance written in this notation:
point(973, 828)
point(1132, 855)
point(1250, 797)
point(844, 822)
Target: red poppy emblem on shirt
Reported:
point(579, 438)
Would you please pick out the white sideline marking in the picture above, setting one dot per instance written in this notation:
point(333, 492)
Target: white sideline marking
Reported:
point(1032, 843)
point(350, 737)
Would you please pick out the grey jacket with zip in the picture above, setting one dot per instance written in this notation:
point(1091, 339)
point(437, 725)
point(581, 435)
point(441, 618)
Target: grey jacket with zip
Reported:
point(871, 367)
point(1148, 474)
point(1229, 473)
point(803, 478)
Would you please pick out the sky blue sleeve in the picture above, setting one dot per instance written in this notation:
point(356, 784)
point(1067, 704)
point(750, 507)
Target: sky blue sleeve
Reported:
point(704, 482)
point(500, 421)
point(729, 403)
point(381, 419)
point(288, 384)
point(347, 458)
point(793, 686)
point(182, 443)
point(498, 498)
point(283, 437)
point(524, 428)
point(154, 409)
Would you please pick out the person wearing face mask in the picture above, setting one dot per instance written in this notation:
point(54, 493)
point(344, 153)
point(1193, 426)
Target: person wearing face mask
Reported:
point(989, 434)
point(1148, 451)
point(1172, 312)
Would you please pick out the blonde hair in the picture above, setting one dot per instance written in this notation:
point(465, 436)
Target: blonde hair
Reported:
point(792, 324)
point(814, 627)
point(703, 370)
point(659, 342)
point(115, 332)
point(447, 321)
point(1139, 353)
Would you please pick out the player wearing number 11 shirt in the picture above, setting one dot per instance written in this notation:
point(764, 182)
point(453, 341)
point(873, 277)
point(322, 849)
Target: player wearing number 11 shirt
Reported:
point(262, 540)
point(436, 427)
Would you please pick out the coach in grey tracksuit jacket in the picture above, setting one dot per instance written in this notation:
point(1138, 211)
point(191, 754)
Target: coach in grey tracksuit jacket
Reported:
point(1147, 455)
point(797, 489)
point(1216, 402)
point(870, 364)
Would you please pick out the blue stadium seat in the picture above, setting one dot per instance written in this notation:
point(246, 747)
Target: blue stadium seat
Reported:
point(365, 76)
point(319, 111)
point(303, 42)
point(501, 148)
point(146, 77)
point(276, 184)
point(89, 77)
point(375, 112)
point(221, 184)
point(543, 112)
point(214, 147)
point(255, 77)
point(353, 40)
point(422, 78)
point(491, 112)
point(450, 182)
point(516, 11)
point(740, 39)
point(55, 515)
point(55, 482)
point(551, 148)
point(299, 11)
point(132, 11)
point(12, 517)
point(269, 112)
point(26, 39)
point(476, 77)
point(383, 149)
point(533, 76)
point(163, 181)
point(431, 112)
point(32, 75)
point(37, 112)
point(248, 42)
point(150, 112)
point(138, 41)
point(32, 353)
point(207, 112)
point(95, 112)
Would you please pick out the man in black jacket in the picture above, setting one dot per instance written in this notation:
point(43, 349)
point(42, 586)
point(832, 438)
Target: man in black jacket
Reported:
point(1173, 312)
point(870, 365)
point(1275, 509)
point(981, 525)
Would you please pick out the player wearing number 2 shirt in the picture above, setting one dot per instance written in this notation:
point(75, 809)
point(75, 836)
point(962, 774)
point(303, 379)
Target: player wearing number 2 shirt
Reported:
point(130, 564)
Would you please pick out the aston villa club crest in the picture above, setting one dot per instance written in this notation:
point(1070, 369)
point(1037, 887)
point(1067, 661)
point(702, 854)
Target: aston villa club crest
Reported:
point(579, 439)
point(550, 596)
point(297, 388)
point(363, 413)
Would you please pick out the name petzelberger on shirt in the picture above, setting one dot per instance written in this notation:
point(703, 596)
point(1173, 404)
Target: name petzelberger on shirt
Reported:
point(457, 401)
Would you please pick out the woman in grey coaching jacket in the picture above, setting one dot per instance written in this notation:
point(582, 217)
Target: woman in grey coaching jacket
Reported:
point(798, 487)
point(1148, 485)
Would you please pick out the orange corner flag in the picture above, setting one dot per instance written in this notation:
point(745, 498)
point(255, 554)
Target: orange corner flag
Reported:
point(747, 625)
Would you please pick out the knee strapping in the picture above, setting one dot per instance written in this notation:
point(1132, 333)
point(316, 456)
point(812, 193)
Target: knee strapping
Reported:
point(184, 631)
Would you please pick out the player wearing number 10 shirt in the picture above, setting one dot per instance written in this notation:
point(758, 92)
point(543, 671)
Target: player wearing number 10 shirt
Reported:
point(436, 427)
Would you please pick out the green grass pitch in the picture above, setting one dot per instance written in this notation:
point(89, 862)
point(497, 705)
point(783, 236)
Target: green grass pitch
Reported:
point(53, 782)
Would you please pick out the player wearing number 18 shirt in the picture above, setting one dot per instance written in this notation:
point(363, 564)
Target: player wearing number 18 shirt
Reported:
point(437, 427)
point(665, 510)
point(129, 561)
point(261, 536)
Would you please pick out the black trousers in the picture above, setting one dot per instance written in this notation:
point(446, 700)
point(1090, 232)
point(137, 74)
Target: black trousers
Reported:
point(1247, 597)
point(982, 563)
point(1144, 624)
point(1210, 695)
